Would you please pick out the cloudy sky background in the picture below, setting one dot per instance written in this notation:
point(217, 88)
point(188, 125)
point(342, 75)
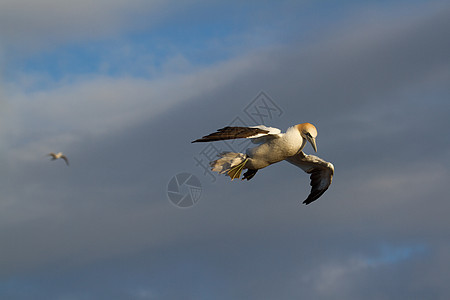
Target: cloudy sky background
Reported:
point(122, 87)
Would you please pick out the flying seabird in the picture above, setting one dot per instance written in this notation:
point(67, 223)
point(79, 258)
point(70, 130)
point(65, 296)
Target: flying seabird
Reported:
point(58, 155)
point(272, 147)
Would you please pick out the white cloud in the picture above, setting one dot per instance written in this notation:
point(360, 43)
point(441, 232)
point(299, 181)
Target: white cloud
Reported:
point(29, 22)
point(342, 277)
point(102, 105)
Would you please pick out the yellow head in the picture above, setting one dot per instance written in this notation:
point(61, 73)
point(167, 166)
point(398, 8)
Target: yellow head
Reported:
point(309, 132)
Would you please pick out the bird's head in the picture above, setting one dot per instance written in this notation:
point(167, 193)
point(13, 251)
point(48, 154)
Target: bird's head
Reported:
point(309, 132)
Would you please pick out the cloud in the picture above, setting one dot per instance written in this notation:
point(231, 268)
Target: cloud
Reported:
point(342, 278)
point(105, 126)
point(27, 22)
point(102, 105)
point(106, 218)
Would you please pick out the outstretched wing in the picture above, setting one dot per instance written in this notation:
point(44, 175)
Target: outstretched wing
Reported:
point(230, 133)
point(65, 159)
point(321, 173)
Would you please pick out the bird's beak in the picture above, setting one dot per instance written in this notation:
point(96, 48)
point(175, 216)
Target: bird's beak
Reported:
point(313, 143)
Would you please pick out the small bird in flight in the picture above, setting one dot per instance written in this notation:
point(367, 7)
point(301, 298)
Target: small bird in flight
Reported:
point(272, 147)
point(58, 155)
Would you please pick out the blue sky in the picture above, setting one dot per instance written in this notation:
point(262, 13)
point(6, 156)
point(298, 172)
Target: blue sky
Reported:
point(123, 87)
point(202, 34)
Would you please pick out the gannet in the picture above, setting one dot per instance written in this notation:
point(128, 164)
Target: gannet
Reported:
point(273, 146)
point(58, 155)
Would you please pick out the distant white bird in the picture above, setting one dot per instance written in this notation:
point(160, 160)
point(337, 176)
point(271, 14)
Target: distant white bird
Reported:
point(273, 146)
point(58, 155)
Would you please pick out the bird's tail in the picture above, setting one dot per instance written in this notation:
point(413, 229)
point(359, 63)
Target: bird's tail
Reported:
point(230, 163)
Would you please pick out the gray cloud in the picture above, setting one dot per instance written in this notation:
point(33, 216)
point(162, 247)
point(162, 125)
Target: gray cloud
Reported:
point(27, 22)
